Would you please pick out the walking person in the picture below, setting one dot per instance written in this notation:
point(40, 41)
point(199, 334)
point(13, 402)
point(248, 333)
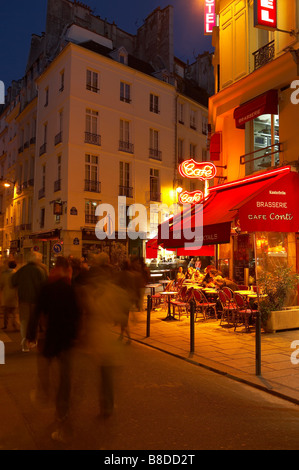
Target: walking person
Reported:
point(54, 326)
point(9, 296)
point(28, 281)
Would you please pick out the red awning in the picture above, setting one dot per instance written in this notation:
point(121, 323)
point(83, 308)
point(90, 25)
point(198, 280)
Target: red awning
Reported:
point(263, 104)
point(233, 202)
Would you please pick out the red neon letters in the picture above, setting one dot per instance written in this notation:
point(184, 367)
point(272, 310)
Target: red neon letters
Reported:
point(195, 197)
point(210, 16)
point(194, 170)
point(265, 14)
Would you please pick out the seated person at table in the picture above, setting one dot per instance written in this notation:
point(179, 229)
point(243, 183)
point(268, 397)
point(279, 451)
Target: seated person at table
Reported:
point(189, 273)
point(197, 276)
point(231, 284)
point(219, 282)
point(180, 274)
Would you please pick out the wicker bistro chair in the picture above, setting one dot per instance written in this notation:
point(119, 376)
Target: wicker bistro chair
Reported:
point(229, 293)
point(244, 313)
point(228, 308)
point(181, 302)
point(203, 304)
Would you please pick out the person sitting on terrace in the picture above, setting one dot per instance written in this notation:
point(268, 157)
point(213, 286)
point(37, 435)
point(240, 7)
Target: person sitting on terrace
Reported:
point(180, 274)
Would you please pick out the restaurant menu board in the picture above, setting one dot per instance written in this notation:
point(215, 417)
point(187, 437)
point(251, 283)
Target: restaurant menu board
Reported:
point(275, 209)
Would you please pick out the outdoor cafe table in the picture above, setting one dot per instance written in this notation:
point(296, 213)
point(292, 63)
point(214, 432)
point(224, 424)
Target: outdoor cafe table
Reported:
point(152, 287)
point(164, 282)
point(169, 295)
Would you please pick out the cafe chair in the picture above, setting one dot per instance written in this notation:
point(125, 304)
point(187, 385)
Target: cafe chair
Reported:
point(244, 313)
point(205, 305)
point(229, 293)
point(181, 302)
point(228, 308)
point(243, 288)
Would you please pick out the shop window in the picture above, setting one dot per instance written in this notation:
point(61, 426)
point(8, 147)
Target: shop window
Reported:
point(272, 250)
point(263, 133)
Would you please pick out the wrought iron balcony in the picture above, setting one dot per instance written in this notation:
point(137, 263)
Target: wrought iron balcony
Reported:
point(155, 154)
point(94, 139)
point(43, 149)
point(126, 146)
point(264, 55)
point(92, 186)
point(125, 191)
point(41, 193)
point(58, 138)
point(57, 185)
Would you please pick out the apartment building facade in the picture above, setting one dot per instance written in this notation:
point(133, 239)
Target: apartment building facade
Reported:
point(92, 123)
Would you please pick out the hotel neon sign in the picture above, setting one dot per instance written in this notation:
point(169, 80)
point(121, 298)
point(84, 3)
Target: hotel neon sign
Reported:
point(265, 14)
point(202, 171)
point(210, 16)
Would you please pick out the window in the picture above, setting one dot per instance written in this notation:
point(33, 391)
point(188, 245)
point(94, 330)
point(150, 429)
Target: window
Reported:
point(57, 183)
point(92, 173)
point(192, 151)
point(155, 185)
point(204, 125)
point(154, 151)
point(91, 127)
point(193, 119)
point(92, 81)
point(43, 147)
point(90, 209)
point(46, 96)
point(42, 217)
point(125, 92)
point(124, 179)
point(124, 137)
point(181, 113)
point(58, 136)
point(180, 150)
point(154, 103)
point(61, 81)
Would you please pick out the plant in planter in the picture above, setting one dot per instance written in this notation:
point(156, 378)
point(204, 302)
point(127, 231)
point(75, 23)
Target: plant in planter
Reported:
point(279, 285)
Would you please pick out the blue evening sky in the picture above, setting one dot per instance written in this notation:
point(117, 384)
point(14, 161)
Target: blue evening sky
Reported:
point(19, 19)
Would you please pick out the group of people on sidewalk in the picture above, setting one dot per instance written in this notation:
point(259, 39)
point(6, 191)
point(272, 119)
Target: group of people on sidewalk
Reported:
point(72, 306)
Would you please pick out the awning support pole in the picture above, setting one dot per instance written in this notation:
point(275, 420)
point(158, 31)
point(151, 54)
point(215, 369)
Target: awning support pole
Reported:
point(258, 327)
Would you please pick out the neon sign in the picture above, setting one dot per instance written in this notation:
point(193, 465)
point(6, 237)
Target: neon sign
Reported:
point(202, 171)
point(194, 197)
point(210, 16)
point(265, 14)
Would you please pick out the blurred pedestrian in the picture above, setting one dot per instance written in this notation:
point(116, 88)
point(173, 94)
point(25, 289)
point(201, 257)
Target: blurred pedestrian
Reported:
point(9, 296)
point(28, 280)
point(54, 325)
point(103, 303)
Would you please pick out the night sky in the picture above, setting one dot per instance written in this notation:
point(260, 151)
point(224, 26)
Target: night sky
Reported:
point(19, 19)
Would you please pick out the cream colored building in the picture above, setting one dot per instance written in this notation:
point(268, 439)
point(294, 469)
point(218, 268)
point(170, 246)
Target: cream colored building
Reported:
point(95, 123)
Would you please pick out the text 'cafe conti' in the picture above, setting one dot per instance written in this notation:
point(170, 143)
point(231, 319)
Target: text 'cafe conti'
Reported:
point(259, 210)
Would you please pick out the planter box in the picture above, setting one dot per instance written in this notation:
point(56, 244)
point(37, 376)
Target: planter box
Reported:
point(287, 319)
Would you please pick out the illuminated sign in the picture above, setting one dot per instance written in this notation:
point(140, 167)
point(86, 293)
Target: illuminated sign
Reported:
point(210, 16)
point(265, 14)
point(194, 197)
point(194, 170)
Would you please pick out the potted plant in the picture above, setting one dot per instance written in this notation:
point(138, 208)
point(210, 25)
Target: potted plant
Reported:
point(279, 286)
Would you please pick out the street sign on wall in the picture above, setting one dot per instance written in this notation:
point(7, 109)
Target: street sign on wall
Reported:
point(265, 14)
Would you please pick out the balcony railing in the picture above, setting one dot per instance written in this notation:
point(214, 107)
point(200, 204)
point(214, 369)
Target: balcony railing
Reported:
point(125, 191)
point(43, 149)
point(155, 154)
point(94, 139)
point(41, 193)
point(91, 219)
point(58, 138)
point(26, 145)
point(32, 140)
point(57, 185)
point(92, 186)
point(31, 182)
point(264, 55)
point(126, 146)
point(262, 158)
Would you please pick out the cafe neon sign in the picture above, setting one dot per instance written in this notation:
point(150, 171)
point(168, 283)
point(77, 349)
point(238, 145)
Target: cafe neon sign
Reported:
point(202, 171)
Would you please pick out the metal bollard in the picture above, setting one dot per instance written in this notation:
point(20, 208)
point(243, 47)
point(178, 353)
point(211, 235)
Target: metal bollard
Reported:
point(148, 316)
point(258, 345)
point(192, 315)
